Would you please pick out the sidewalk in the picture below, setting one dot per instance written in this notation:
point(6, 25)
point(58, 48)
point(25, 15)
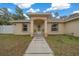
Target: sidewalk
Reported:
point(38, 47)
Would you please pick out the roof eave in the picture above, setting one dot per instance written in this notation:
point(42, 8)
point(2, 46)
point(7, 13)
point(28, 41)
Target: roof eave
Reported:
point(71, 19)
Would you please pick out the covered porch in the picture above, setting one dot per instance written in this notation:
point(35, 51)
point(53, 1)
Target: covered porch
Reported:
point(38, 25)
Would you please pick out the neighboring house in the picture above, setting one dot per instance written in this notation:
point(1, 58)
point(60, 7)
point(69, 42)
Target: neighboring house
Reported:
point(48, 25)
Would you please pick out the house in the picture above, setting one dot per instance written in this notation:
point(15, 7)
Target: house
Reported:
point(46, 24)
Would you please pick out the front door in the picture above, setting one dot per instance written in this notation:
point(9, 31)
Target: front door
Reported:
point(39, 27)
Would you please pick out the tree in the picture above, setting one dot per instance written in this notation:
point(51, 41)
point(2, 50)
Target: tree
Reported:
point(56, 14)
point(19, 13)
point(4, 16)
point(14, 16)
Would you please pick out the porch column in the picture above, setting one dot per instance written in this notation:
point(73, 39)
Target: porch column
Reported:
point(45, 29)
point(31, 28)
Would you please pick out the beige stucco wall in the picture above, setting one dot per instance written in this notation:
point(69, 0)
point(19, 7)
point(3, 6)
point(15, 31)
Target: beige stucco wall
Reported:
point(38, 18)
point(19, 29)
point(60, 29)
point(72, 27)
point(63, 28)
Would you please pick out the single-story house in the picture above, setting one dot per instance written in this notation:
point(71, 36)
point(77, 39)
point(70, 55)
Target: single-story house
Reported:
point(47, 24)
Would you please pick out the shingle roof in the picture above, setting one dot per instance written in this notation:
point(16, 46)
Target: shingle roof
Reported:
point(52, 19)
point(72, 17)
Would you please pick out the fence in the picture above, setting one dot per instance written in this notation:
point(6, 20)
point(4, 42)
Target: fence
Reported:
point(6, 29)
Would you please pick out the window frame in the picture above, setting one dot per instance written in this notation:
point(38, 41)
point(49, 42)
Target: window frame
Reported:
point(25, 27)
point(54, 27)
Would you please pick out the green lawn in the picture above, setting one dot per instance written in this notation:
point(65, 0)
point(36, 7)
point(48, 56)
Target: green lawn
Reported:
point(13, 45)
point(63, 45)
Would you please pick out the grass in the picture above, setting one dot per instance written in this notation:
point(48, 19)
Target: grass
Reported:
point(13, 45)
point(63, 45)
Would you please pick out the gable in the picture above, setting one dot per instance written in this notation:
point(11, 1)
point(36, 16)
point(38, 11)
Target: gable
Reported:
point(39, 15)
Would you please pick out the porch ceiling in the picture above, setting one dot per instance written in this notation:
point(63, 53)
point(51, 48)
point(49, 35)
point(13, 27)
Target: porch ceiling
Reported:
point(38, 22)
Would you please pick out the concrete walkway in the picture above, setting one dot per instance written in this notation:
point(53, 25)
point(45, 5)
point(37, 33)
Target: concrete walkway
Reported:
point(38, 47)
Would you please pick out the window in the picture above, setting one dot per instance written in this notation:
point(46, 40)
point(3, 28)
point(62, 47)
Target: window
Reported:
point(24, 27)
point(54, 27)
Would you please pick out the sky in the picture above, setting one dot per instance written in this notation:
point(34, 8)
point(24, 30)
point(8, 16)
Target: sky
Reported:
point(64, 9)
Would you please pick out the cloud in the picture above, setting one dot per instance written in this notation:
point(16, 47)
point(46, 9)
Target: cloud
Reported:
point(53, 14)
point(48, 9)
point(77, 11)
point(23, 5)
point(33, 10)
point(58, 6)
point(9, 9)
